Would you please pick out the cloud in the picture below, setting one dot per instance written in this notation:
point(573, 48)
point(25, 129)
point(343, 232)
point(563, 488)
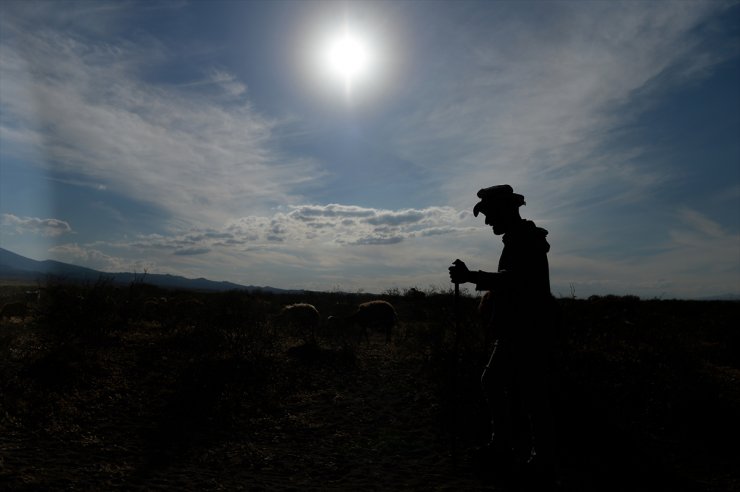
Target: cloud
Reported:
point(700, 225)
point(89, 111)
point(439, 231)
point(93, 258)
point(697, 258)
point(192, 251)
point(228, 82)
point(375, 240)
point(355, 247)
point(397, 218)
point(306, 226)
point(704, 246)
point(33, 225)
point(535, 101)
point(311, 212)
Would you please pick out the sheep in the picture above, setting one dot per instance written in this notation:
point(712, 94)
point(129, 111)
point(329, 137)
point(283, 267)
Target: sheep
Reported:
point(33, 296)
point(301, 318)
point(14, 310)
point(186, 312)
point(372, 314)
point(155, 309)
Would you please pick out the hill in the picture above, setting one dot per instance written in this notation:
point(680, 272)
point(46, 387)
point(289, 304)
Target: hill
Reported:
point(14, 267)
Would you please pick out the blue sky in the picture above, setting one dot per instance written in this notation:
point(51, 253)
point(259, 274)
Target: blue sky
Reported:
point(209, 139)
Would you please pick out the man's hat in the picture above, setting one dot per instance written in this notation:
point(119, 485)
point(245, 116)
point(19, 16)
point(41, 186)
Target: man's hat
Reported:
point(498, 196)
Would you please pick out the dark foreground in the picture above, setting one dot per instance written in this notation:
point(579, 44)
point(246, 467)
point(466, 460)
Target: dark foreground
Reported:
point(104, 388)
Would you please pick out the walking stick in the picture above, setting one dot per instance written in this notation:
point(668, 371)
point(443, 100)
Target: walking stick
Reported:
point(455, 373)
point(456, 310)
point(457, 316)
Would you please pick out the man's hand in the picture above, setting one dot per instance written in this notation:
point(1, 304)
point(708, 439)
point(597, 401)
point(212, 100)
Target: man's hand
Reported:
point(459, 273)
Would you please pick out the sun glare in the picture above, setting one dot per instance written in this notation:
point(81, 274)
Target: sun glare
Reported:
point(348, 58)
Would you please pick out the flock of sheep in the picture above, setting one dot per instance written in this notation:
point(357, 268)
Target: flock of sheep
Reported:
point(304, 320)
point(301, 319)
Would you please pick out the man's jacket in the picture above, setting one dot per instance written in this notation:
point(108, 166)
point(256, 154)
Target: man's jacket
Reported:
point(523, 304)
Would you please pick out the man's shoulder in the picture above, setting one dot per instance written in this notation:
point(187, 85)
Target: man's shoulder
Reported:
point(527, 234)
point(527, 229)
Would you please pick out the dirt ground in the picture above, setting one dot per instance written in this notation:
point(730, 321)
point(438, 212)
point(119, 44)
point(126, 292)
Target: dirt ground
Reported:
point(144, 415)
point(149, 408)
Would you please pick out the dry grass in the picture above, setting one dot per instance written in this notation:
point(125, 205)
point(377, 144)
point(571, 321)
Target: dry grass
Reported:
point(103, 387)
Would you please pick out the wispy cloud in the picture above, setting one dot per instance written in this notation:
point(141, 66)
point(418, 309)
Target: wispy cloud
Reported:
point(536, 103)
point(699, 225)
point(86, 109)
point(34, 225)
point(230, 85)
point(697, 257)
point(93, 258)
point(703, 245)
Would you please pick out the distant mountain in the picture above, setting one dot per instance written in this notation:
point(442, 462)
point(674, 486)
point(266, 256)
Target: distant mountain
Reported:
point(723, 297)
point(16, 267)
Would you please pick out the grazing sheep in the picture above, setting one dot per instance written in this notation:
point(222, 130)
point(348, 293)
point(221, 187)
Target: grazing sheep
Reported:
point(154, 309)
point(14, 310)
point(188, 312)
point(300, 318)
point(379, 315)
point(33, 296)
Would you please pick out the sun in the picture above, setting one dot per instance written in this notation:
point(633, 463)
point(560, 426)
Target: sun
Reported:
point(348, 58)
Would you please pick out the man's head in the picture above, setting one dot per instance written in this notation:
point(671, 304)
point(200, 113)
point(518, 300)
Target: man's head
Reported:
point(500, 205)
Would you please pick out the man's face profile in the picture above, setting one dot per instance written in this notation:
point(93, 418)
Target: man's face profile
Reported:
point(497, 218)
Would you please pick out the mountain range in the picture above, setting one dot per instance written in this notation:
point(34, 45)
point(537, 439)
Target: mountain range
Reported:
point(17, 268)
point(14, 267)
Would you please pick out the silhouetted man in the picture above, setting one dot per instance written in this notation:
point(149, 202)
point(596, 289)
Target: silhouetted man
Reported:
point(515, 379)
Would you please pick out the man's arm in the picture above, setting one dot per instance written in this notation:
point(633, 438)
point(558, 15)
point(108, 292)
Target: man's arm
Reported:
point(460, 274)
point(494, 281)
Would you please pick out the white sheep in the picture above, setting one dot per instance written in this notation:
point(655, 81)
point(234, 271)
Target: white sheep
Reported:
point(301, 318)
point(379, 315)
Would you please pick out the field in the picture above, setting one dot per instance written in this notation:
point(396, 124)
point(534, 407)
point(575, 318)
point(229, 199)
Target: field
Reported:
point(137, 388)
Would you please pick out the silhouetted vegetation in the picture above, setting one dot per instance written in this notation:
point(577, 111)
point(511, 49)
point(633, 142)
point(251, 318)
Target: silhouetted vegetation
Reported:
point(139, 387)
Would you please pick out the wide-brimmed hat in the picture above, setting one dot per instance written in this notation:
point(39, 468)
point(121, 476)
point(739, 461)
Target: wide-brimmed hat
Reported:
point(497, 196)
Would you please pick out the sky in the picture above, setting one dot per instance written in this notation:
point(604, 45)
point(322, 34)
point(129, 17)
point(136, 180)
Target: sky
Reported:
point(231, 140)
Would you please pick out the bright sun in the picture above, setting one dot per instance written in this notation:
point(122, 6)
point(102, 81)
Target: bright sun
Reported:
point(348, 58)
